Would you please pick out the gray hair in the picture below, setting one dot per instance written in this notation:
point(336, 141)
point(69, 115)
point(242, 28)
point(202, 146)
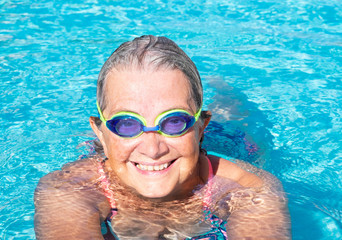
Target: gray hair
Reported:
point(152, 51)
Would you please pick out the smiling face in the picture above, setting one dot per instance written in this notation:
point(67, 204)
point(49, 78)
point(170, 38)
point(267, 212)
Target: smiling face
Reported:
point(153, 165)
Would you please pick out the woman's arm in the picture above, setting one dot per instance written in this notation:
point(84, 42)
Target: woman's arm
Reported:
point(258, 214)
point(66, 209)
point(258, 209)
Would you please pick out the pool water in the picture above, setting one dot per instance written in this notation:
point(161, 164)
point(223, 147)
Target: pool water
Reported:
point(271, 72)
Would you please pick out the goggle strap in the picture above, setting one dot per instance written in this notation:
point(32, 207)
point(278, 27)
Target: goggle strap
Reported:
point(198, 114)
point(100, 112)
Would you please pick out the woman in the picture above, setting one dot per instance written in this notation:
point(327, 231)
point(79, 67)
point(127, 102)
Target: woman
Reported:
point(153, 180)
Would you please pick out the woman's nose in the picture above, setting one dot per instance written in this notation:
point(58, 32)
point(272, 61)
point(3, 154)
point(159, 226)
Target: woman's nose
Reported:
point(152, 145)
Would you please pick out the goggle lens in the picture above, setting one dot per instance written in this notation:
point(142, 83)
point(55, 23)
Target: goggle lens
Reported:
point(125, 126)
point(175, 124)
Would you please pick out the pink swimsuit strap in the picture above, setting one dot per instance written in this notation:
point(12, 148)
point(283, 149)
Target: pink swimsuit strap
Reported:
point(105, 185)
point(207, 197)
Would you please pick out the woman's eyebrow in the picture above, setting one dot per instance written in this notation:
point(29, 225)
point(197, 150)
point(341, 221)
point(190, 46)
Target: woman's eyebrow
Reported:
point(115, 111)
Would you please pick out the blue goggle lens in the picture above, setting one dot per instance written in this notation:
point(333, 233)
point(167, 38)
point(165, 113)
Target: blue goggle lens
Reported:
point(175, 123)
point(125, 126)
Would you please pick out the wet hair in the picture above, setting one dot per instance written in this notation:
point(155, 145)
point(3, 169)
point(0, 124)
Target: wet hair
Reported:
point(151, 51)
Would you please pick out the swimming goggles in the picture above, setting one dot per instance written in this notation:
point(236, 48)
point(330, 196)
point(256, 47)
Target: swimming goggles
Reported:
point(172, 123)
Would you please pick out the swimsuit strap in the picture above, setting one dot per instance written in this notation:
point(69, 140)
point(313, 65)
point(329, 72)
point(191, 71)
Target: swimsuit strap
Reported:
point(210, 166)
point(217, 223)
point(104, 183)
point(207, 197)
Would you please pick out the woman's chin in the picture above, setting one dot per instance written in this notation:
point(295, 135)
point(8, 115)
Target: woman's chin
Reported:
point(155, 194)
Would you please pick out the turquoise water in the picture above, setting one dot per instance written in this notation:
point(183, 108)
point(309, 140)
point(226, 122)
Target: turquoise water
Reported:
point(271, 72)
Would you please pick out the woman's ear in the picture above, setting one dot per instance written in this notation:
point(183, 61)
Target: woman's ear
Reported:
point(98, 132)
point(206, 119)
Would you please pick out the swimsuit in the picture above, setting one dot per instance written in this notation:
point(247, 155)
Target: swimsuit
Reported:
point(218, 226)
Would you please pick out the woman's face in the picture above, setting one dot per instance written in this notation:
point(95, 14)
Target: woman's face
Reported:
point(136, 161)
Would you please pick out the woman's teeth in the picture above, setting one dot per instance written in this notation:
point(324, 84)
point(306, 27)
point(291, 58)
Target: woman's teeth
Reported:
point(152, 168)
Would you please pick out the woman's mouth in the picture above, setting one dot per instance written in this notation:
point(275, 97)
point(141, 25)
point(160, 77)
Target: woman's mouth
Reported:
point(153, 168)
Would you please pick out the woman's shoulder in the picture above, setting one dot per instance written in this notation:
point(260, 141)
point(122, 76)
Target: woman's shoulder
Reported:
point(239, 171)
point(68, 198)
point(77, 174)
point(76, 183)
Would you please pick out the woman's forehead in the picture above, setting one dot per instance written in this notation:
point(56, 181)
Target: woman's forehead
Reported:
point(146, 88)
